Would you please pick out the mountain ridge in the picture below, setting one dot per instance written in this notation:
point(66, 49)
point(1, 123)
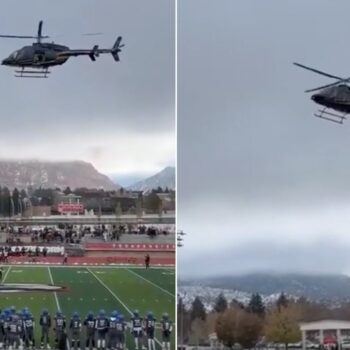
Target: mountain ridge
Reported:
point(164, 178)
point(312, 286)
point(49, 174)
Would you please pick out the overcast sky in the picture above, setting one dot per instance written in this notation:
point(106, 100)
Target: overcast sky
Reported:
point(119, 116)
point(262, 184)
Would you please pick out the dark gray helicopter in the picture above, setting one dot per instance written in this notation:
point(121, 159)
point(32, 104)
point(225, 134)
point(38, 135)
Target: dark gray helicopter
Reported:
point(334, 96)
point(36, 59)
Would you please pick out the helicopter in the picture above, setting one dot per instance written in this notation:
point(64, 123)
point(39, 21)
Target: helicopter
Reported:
point(35, 60)
point(334, 96)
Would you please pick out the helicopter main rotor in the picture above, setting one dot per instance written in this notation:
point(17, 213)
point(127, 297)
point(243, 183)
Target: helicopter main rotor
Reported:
point(339, 79)
point(38, 37)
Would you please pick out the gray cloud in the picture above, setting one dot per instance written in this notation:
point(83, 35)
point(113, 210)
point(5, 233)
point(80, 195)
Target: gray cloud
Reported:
point(248, 144)
point(320, 256)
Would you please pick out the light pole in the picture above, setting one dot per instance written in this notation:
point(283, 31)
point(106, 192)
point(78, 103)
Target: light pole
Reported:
point(180, 238)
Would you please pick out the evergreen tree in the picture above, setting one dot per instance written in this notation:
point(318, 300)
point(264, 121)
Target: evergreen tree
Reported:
point(118, 209)
point(152, 202)
point(7, 201)
point(1, 202)
point(198, 310)
point(15, 199)
point(237, 304)
point(67, 190)
point(220, 303)
point(282, 301)
point(256, 305)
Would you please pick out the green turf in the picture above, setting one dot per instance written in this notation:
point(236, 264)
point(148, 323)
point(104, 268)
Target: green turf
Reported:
point(93, 288)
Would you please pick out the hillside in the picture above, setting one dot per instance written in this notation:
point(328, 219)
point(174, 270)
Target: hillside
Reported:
point(316, 287)
point(163, 179)
point(35, 173)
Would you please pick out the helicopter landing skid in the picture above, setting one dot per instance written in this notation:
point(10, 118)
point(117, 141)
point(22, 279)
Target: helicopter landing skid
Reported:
point(332, 117)
point(32, 73)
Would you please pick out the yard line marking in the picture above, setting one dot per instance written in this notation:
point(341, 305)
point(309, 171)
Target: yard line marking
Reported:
point(150, 282)
point(115, 296)
point(118, 299)
point(6, 273)
point(57, 302)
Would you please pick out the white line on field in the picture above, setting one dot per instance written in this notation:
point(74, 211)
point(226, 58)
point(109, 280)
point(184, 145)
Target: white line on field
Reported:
point(150, 282)
point(117, 298)
point(57, 302)
point(6, 273)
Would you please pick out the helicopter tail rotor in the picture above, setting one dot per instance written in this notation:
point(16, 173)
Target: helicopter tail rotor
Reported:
point(117, 48)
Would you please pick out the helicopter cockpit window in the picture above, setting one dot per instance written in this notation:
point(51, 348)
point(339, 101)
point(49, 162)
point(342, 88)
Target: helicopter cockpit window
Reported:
point(14, 54)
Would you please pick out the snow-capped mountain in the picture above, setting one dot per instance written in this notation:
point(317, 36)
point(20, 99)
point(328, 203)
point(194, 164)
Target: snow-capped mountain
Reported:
point(328, 289)
point(208, 296)
point(47, 174)
point(163, 179)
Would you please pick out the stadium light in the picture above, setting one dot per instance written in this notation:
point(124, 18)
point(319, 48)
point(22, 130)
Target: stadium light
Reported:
point(180, 238)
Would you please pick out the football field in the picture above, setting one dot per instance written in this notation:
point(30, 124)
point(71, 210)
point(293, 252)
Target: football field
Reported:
point(93, 288)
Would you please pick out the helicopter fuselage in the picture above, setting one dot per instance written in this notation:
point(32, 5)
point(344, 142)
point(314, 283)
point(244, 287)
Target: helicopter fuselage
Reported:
point(336, 98)
point(37, 55)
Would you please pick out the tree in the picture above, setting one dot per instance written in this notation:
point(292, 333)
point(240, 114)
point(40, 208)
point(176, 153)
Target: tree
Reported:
point(118, 209)
point(249, 330)
point(138, 208)
point(256, 305)
point(220, 303)
point(197, 309)
point(238, 326)
point(6, 197)
point(199, 331)
point(226, 325)
point(236, 303)
point(282, 301)
point(282, 326)
point(152, 202)
point(15, 199)
point(183, 322)
point(67, 190)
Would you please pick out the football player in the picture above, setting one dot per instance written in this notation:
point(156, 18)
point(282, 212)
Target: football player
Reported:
point(136, 328)
point(150, 325)
point(14, 332)
point(167, 327)
point(89, 324)
point(112, 331)
point(75, 328)
point(45, 324)
point(101, 326)
point(59, 327)
point(29, 325)
point(2, 330)
point(121, 329)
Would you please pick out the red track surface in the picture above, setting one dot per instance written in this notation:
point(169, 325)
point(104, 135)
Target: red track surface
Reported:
point(93, 260)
